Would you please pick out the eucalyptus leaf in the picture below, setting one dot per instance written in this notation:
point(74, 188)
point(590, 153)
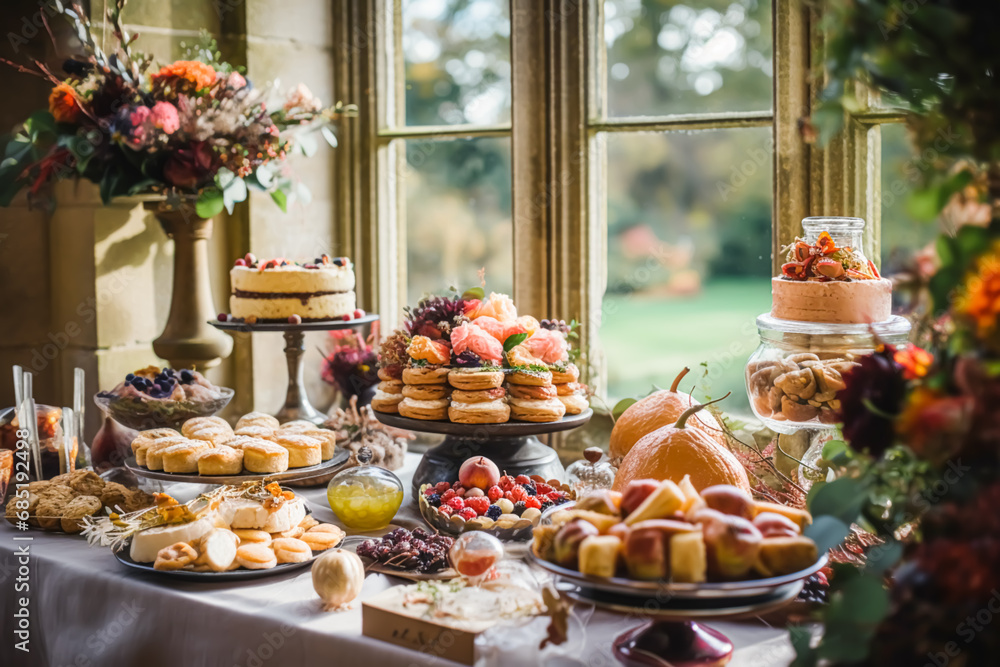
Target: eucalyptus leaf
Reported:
point(306, 144)
point(827, 532)
point(329, 135)
point(281, 199)
point(835, 448)
point(621, 406)
point(210, 203)
point(234, 193)
point(224, 178)
point(514, 340)
point(842, 498)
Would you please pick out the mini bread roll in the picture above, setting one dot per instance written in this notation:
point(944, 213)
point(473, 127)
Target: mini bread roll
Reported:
point(302, 450)
point(290, 550)
point(297, 426)
point(263, 456)
point(256, 556)
point(257, 419)
point(221, 460)
point(183, 458)
point(255, 431)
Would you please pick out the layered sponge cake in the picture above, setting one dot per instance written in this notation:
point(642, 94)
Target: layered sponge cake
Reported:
point(276, 289)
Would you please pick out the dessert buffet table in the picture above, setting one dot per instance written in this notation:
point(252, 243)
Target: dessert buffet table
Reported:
point(87, 609)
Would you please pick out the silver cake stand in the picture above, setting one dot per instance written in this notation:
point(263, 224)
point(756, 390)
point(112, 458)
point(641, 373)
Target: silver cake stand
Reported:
point(297, 405)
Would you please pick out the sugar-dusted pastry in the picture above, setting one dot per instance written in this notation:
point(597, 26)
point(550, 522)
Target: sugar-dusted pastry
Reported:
point(302, 450)
point(263, 456)
point(533, 410)
point(322, 537)
point(142, 451)
point(257, 419)
point(175, 556)
point(252, 536)
point(291, 550)
point(327, 438)
point(221, 460)
point(475, 379)
point(76, 509)
point(255, 431)
point(415, 409)
point(217, 550)
point(154, 453)
point(211, 429)
point(238, 441)
point(152, 434)
point(183, 457)
point(256, 556)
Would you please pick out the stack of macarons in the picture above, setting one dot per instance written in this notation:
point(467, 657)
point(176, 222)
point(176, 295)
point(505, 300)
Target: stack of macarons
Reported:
point(388, 392)
point(478, 396)
point(533, 397)
point(569, 391)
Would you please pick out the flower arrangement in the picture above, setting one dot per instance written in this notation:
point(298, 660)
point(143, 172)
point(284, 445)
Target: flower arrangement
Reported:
point(352, 364)
point(194, 128)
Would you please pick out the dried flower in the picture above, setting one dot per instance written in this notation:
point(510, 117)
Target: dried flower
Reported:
point(63, 104)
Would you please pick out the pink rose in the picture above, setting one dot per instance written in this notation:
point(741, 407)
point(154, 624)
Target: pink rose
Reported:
point(303, 100)
point(235, 80)
point(498, 306)
point(474, 339)
point(164, 116)
point(548, 345)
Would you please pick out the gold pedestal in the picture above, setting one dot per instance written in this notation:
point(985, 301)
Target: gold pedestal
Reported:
point(188, 340)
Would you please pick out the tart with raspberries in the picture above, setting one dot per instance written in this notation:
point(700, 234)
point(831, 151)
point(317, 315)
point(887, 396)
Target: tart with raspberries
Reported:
point(506, 506)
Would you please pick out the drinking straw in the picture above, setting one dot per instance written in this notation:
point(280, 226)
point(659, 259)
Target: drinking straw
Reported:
point(79, 410)
point(68, 437)
point(18, 387)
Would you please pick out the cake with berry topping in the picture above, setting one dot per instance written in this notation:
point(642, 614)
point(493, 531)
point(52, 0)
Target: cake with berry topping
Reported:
point(277, 290)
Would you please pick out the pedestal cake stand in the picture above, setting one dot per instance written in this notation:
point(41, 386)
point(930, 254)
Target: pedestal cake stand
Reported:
point(513, 446)
point(297, 405)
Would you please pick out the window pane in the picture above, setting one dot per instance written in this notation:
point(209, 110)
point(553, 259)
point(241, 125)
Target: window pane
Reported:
point(458, 215)
point(671, 57)
point(456, 56)
point(689, 268)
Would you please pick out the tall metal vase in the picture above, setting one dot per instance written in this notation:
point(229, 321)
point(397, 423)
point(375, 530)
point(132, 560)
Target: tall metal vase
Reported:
point(188, 340)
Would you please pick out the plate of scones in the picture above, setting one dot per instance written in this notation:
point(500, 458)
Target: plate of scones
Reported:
point(258, 446)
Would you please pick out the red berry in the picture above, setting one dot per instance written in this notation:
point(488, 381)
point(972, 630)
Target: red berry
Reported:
point(446, 510)
point(346, 317)
point(494, 494)
point(456, 503)
point(223, 317)
point(459, 490)
point(543, 488)
point(295, 319)
point(532, 501)
point(479, 504)
point(430, 490)
point(522, 479)
point(448, 495)
point(509, 496)
point(506, 482)
point(250, 259)
point(518, 493)
point(441, 487)
point(358, 313)
point(468, 513)
point(241, 262)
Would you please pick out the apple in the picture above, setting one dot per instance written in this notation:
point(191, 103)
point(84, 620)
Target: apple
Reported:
point(731, 542)
point(566, 545)
point(771, 524)
point(479, 472)
point(729, 500)
point(635, 493)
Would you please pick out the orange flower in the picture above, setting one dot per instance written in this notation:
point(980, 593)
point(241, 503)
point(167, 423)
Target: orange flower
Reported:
point(63, 104)
point(431, 351)
point(184, 76)
point(980, 299)
point(932, 424)
point(914, 360)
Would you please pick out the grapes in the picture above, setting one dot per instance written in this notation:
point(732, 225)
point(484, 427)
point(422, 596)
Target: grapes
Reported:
point(814, 590)
point(555, 325)
point(405, 550)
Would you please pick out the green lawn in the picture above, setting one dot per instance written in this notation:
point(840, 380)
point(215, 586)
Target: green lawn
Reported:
point(648, 340)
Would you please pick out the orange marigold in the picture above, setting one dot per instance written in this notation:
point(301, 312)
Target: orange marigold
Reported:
point(185, 76)
point(980, 298)
point(63, 104)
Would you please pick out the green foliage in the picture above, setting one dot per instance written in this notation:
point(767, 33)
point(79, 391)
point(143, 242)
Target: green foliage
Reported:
point(514, 340)
point(956, 254)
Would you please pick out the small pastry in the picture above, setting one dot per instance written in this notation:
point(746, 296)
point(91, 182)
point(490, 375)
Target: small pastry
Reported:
point(210, 429)
point(492, 412)
point(570, 374)
point(257, 419)
point(482, 396)
point(530, 410)
point(183, 458)
point(425, 375)
point(256, 556)
point(426, 392)
point(154, 453)
point(297, 426)
point(308, 522)
point(475, 380)
point(255, 431)
point(295, 532)
point(323, 537)
point(535, 378)
point(302, 450)
point(240, 441)
point(383, 402)
point(570, 388)
point(143, 448)
point(575, 404)
point(428, 410)
point(76, 509)
point(252, 536)
point(217, 550)
point(391, 386)
point(264, 456)
point(291, 550)
point(327, 438)
point(221, 460)
point(152, 434)
point(539, 392)
point(175, 556)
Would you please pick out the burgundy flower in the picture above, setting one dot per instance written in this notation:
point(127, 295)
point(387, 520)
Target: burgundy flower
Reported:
point(190, 167)
point(871, 399)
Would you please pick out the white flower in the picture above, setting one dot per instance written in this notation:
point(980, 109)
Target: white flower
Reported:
point(302, 99)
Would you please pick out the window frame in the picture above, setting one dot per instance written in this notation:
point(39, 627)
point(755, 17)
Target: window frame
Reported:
point(558, 120)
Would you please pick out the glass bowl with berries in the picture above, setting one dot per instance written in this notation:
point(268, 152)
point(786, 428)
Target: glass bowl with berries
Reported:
point(155, 397)
point(482, 498)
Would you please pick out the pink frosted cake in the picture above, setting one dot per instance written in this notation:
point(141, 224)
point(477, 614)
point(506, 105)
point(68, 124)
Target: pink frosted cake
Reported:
point(825, 283)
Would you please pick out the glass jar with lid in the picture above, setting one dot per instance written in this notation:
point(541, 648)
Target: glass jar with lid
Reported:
point(365, 497)
point(795, 373)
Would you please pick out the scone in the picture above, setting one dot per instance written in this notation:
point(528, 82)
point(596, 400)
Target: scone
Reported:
point(210, 429)
point(255, 431)
point(291, 550)
point(327, 438)
point(221, 460)
point(142, 449)
point(263, 456)
point(154, 453)
point(415, 409)
point(152, 434)
point(257, 419)
point(183, 458)
point(302, 450)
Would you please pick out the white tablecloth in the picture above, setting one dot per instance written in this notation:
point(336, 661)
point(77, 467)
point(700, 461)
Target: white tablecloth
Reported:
point(88, 610)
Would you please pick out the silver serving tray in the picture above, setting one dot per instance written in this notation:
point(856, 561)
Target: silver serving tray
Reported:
point(292, 474)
